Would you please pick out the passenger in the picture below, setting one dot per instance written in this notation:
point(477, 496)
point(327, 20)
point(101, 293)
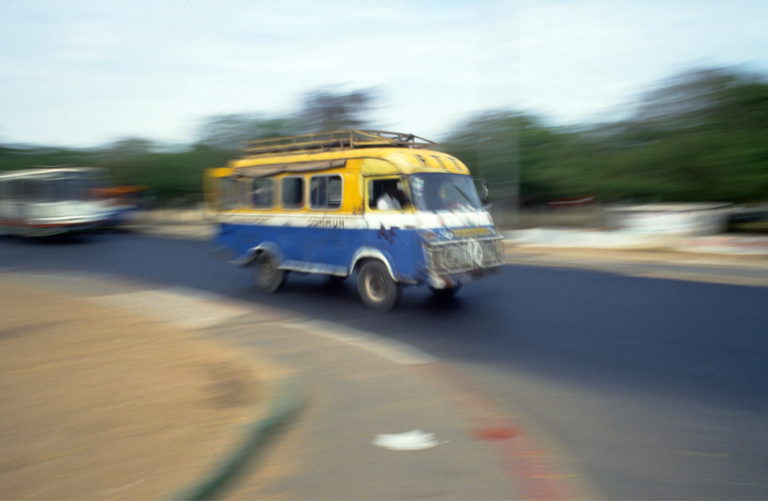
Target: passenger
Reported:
point(391, 198)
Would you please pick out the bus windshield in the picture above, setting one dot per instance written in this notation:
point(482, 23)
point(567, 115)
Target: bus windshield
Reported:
point(62, 187)
point(444, 192)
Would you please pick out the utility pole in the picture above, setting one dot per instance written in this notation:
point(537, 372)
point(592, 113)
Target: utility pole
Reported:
point(515, 174)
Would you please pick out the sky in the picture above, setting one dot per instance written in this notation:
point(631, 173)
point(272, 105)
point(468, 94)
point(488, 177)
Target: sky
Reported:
point(84, 73)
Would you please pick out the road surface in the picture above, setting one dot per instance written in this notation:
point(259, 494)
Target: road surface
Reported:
point(648, 388)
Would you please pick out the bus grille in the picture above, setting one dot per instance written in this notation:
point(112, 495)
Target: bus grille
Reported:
point(465, 255)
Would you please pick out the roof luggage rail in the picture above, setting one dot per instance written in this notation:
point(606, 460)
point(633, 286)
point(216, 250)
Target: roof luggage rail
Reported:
point(336, 140)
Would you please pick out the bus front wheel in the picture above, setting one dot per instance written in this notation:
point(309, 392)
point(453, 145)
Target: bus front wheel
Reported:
point(376, 287)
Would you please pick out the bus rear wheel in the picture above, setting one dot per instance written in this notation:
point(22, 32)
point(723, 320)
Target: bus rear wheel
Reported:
point(269, 277)
point(376, 287)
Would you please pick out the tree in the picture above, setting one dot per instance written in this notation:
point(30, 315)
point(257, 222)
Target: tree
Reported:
point(515, 152)
point(232, 132)
point(325, 110)
point(701, 135)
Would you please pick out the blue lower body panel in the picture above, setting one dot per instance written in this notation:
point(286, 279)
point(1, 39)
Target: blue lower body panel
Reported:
point(327, 250)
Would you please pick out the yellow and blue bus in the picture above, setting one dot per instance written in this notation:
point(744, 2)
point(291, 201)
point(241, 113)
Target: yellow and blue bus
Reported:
point(382, 205)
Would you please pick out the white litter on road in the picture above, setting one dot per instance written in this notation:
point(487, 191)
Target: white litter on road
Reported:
point(415, 440)
point(394, 351)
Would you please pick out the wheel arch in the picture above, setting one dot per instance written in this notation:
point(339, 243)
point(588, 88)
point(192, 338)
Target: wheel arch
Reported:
point(364, 254)
point(269, 247)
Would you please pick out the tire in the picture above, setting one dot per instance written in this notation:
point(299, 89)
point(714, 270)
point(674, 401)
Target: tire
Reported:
point(376, 287)
point(269, 277)
point(445, 293)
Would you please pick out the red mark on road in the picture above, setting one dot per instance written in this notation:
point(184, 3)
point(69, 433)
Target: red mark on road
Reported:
point(531, 466)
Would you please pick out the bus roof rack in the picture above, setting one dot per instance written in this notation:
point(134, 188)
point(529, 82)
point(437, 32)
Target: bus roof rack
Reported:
point(336, 140)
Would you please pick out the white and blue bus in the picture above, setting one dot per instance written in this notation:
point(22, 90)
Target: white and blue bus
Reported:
point(51, 201)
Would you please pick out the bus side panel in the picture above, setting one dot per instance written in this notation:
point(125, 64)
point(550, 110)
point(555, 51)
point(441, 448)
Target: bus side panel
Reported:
point(404, 247)
point(241, 239)
point(308, 248)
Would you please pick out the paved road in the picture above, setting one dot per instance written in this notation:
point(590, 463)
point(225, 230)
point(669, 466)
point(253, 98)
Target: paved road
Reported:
point(650, 389)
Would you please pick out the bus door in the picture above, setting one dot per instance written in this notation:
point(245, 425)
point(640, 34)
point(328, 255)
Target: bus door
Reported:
point(328, 243)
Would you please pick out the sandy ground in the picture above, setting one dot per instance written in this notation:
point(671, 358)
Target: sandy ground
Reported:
point(100, 404)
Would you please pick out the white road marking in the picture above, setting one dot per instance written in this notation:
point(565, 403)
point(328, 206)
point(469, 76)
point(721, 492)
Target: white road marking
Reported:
point(394, 351)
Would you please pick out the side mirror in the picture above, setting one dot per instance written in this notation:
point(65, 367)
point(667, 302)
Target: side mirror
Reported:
point(482, 190)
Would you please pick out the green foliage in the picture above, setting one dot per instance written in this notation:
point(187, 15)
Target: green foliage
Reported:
point(702, 135)
point(170, 175)
point(14, 158)
point(514, 151)
point(232, 132)
point(178, 174)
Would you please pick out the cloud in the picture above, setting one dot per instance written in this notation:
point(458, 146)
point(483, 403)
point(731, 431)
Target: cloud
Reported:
point(75, 69)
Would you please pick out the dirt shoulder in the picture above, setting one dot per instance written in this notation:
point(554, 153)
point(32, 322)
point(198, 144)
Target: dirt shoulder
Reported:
point(731, 269)
point(641, 256)
point(100, 404)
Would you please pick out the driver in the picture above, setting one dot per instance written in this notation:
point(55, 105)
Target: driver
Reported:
point(449, 199)
point(391, 199)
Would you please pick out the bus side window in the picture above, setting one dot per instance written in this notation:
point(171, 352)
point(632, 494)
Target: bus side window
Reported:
point(293, 192)
point(334, 192)
point(262, 193)
point(230, 193)
point(325, 192)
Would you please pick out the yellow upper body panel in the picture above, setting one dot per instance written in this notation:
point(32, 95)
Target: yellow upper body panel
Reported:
point(354, 156)
point(374, 161)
